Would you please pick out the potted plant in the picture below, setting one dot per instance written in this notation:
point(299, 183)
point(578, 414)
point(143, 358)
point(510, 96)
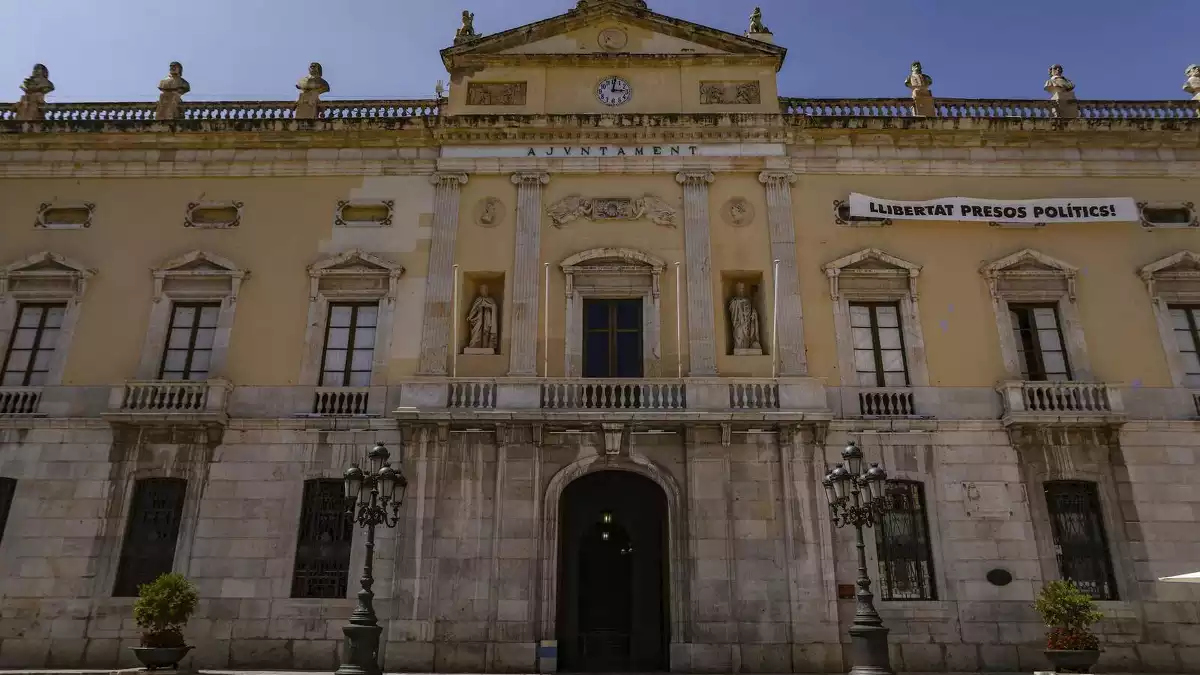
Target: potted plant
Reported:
point(1069, 613)
point(162, 609)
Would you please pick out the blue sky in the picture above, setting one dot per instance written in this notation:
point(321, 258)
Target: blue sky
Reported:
point(257, 49)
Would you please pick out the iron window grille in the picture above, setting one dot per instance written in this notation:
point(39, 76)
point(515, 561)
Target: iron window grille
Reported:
point(188, 352)
point(322, 567)
point(1185, 321)
point(1040, 346)
point(349, 344)
point(879, 357)
point(151, 535)
point(903, 546)
point(34, 339)
point(1080, 543)
point(8, 489)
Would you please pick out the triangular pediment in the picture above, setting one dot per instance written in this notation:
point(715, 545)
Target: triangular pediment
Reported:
point(606, 29)
point(46, 262)
point(1181, 262)
point(199, 262)
point(872, 261)
point(355, 262)
point(1029, 260)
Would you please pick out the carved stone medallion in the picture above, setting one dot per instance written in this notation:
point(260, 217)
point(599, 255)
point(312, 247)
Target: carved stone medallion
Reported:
point(489, 212)
point(738, 212)
point(613, 39)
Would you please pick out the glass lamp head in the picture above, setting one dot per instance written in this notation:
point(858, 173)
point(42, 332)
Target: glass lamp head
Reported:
point(378, 456)
point(853, 455)
point(352, 482)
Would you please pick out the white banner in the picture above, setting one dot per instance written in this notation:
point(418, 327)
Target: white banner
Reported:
point(1113, 210)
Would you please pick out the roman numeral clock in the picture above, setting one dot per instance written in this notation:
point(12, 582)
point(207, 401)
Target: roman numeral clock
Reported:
point(614, 91)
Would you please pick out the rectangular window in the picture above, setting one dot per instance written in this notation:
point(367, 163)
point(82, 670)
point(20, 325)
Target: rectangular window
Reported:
point(903, 546)
point(34, 339)
point(8, 488)
point(149, 548)
point(878, 345)
point(1080, 543)
point(190, 341)
point(1187, 337)
point(349, 344)
point(323, 545)
point(1039, 342)
point(612, 344)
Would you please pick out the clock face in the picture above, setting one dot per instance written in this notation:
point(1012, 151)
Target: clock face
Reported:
point(614, 91)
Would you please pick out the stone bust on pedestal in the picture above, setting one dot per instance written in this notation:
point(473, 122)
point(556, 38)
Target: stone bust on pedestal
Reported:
point(1062, 92)
point(171, 90)
point(744, 320)
point(1192, 86)
point(484, 321)
point(922, 95)
point(311, 87)
point(33, 102)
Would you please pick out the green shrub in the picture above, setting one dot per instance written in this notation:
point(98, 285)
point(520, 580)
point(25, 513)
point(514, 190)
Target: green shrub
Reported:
point(1069, 613)
point(163, 608)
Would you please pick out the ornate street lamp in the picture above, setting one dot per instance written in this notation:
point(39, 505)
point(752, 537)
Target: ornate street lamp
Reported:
point(370, 495)
point(858, 498)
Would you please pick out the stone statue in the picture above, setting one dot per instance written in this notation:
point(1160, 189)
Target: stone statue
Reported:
point(1062, 92)
point(311, 87)
point(466, 32)
point(1192, 86)
point(484, 320)
point(172, 89)
point(744, 319)
point(33, 102)
point(922, 96)
point(756, 22)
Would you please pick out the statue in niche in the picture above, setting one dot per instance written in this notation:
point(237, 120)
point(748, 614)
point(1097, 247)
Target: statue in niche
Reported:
point(1192, 86)
point(744, 319)
point(171, 88)
point(484, 321)
point(311, 87)
point(756, 21)
point(922, 95)
point(33, 101)
point(466, 32)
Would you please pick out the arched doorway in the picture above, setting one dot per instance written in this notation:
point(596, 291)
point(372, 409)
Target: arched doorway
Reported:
point(613, 562)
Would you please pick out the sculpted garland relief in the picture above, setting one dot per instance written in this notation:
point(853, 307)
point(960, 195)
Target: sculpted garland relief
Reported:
point(496, 93)
point(744, 93)
point(574, 207)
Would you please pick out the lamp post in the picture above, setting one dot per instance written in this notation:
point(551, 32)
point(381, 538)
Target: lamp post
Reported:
point(857, 498)
point(370, 495)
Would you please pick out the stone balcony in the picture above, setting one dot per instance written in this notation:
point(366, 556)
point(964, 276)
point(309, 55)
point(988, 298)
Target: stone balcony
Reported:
point(20, 401)
point(347, 402)
point(1061, 403)
point(169, 402)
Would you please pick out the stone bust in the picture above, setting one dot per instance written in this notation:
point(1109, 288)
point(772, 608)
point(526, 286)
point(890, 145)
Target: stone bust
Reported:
point(744, 320)
point(33, 101)
point(1192, 86)
point(171, 88)
point(922, 96)
point(311, 87)
point(484, 321)
point(1059, 87)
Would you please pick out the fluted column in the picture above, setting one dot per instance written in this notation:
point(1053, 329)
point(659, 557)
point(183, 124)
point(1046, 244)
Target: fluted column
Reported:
point(439, 285)
point(701, 342)
point(790, 321)
point(523, 334)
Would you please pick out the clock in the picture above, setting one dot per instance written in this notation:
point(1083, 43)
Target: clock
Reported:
point(614, 91)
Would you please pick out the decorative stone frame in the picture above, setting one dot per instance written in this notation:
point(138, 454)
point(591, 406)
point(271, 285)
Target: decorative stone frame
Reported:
point(871, 275)
point(1193, 220)
point(1172, 280)
point(189, 219)
point(1028, 276)
point(43, 277)
point(613, 273)
point(46, 207)
point(339, 219)
point(197, 276)
point(352, 276)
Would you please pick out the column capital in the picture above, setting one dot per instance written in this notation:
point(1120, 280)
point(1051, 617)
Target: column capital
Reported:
point(531, 177)
point(695, 177)
point(441, 178)
point(777, 177)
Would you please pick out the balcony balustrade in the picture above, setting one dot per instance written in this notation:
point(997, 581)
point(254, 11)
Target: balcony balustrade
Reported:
point(342, 401)
point(597, 394)
point(170, 401)
point(1048, 402)
point(887, 402)
point(20, 401)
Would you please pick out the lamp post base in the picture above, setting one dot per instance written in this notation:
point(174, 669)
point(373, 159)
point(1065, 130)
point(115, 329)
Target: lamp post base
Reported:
point(360, 651)
point(869, 650)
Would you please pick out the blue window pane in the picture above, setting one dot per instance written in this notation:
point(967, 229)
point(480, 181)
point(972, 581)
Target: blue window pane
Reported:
point(595, 354)
point(629, 314)
point(595, 314)
point(629, 355)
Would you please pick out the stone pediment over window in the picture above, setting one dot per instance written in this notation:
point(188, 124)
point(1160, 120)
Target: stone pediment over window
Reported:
point(607, 266)
point(872, 274)
point(198, 275)
point(1174, 279)
point(1030, 276)
point(355, 273)
point(44, 276)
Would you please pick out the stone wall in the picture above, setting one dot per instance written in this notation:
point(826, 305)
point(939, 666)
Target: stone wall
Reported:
point(469, 586)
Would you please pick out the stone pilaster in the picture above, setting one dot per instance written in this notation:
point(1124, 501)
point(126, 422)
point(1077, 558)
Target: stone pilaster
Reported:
point(523, 333)
point(439, 288)
point(789, 327)
point(701, 340)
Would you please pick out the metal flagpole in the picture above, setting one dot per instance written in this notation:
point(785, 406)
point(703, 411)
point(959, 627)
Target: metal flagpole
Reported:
point(775, 324)
point(546, 344)
point(454, 322)
point(678, 323)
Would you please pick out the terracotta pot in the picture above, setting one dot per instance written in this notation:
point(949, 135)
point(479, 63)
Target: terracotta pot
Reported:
point(155, 658)
point(1073, 660)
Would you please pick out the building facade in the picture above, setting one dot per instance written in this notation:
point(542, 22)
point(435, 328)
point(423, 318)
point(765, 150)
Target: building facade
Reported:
point(611, 301)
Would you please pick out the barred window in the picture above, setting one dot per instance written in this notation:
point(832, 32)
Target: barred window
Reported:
point(34, 338)
point(323, 544)
point(1040, 347)
point(878, 344)
point(903, 546)
point(190, 341)
point(1080, 543)
point(8, 488)
point(349, 345)
point(151, 535)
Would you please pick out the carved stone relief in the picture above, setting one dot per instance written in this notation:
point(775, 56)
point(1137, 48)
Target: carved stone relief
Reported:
point(738, 212)
point(574, 207)
point(743, 93)
point(489, 212)
point(496, 93)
